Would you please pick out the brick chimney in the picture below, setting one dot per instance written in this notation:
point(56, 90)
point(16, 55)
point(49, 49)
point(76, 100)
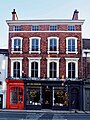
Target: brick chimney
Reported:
point(14, 15)
point(75, 15)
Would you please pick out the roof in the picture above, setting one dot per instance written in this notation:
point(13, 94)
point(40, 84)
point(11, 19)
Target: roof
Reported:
point(4, 51)
point(86, 43)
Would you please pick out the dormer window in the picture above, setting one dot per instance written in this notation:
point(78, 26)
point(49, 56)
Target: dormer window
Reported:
point(16, 45)
point(71, 28)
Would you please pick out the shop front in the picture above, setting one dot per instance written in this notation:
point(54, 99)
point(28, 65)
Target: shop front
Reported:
point(15, 94)
point(46, 95)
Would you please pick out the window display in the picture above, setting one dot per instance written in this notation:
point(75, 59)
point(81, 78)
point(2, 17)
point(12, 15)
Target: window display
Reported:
point(60, 96)
point(33, 96)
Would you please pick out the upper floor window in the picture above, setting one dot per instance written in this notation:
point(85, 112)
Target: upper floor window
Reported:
point(34, 67)
point(71, 28)
point(35, 44)
point(53, 45)
point(52, 68)
point(16, 45)
point(35, 28)
point(18, 28)
point(16, 67)
point(71, 45)
point(72, 68)
point(52, 27)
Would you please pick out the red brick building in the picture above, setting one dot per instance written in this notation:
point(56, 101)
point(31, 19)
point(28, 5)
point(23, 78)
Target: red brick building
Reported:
point(44, 68)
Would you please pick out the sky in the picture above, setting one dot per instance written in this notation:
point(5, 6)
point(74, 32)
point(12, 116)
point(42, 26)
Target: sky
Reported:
point(42, 9)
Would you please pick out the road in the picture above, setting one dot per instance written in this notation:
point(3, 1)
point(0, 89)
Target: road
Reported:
point(13, 115)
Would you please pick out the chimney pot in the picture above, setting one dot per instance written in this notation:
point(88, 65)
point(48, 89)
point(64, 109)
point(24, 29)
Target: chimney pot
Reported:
point(75, 15)
point(14, 15)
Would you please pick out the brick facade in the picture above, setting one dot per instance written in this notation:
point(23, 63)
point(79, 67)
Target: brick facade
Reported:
point(61, 58)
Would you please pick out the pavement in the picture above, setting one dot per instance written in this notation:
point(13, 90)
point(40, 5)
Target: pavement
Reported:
point(47, 111)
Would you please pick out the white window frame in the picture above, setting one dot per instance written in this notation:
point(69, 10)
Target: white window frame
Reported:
point(30, 39)
point(19, 59)
point(12, 49)
point(68, 38)
point(49, 60)
point(34, 59)
point(74, 60)
point(57, 51)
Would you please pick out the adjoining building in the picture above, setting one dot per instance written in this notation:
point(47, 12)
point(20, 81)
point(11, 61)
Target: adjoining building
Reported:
point(44, 64)
point(3, 76)
point(86, 73)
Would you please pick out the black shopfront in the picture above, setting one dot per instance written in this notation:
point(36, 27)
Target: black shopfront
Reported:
point(56, 95)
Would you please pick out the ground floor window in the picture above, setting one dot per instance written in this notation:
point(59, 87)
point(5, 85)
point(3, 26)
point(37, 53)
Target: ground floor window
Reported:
point(60, 96)
point(33, 95)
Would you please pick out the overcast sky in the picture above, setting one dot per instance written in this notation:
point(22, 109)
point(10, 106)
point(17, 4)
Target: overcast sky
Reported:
point(40, 9)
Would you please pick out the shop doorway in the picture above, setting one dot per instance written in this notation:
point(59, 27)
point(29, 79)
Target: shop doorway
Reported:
point(1, 101)
point(47, 97)
point(16, 98)
point(74, 98)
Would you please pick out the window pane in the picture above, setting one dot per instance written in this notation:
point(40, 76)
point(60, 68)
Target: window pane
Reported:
point(35, 44)
point(34, 69)
point(71, 70)
point(52, 70)
point(17, 44)
point(71, 45)
point(33, 96)
point(53, 45)
point(61, 97)
point(16, 69)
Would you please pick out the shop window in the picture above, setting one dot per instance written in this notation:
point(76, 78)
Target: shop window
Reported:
point(60, 96)
point(16, 95)
point(33, 96)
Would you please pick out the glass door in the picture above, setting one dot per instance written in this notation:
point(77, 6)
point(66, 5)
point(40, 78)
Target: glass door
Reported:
point(47, 97)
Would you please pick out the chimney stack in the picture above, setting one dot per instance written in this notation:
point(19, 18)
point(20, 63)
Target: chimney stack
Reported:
point(75, 15)
point(14, 15)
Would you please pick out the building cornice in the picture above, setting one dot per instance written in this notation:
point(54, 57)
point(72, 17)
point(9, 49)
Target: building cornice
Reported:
point(45, 22)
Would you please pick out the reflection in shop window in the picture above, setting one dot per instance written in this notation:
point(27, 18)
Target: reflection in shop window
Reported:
point(60, 96)
point(33, 96)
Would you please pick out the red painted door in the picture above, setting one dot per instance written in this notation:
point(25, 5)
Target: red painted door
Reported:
point(16, 98)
